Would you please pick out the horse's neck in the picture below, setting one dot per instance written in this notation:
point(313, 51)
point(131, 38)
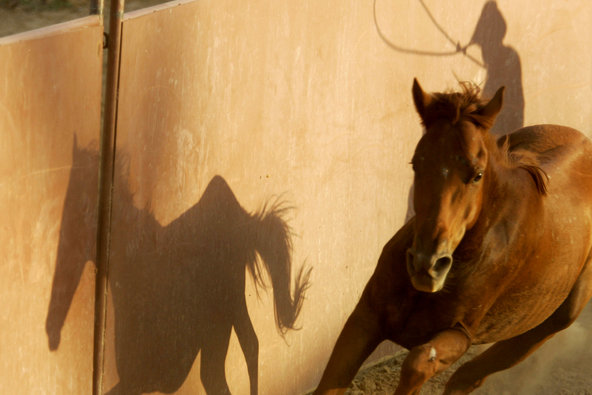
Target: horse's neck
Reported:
point(511, 206)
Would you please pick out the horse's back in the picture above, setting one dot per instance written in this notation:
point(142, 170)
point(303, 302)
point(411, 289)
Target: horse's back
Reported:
point(564, 153)
point(548, 142)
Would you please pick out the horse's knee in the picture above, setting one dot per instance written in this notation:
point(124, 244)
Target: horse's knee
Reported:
point(433, 357)
point(421, 364)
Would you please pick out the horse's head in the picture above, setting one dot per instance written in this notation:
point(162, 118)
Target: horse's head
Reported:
point(451, 170)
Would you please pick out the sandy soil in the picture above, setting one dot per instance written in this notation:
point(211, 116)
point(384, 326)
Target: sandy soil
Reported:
point(562, 366)
point(20, 20)
point(23, 18)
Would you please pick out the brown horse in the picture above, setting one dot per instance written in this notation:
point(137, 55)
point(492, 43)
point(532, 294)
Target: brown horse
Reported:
point(499, 250)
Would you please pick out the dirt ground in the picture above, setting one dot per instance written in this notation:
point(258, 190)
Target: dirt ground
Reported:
point(561, 366)
point(20, 20)
point(17, 16)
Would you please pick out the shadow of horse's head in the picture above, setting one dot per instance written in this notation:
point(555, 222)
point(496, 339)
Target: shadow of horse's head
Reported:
point(77, 242)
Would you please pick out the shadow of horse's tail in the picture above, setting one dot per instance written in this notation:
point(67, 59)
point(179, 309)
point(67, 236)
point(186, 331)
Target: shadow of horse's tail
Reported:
point(274, 245)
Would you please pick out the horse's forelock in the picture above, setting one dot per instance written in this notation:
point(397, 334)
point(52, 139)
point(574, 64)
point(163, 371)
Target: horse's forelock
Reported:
point(453, 106)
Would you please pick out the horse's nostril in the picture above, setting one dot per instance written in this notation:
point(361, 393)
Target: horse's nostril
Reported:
point(442, 264)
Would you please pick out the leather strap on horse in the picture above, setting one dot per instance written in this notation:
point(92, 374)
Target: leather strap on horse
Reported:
point(459, 326)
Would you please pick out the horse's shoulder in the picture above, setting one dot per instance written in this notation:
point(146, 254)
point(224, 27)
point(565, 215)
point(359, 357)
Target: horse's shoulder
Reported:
point(396, 247)
point(390, 276)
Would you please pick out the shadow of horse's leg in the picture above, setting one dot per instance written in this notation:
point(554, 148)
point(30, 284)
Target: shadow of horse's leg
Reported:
point(359, 337)
point(426, 360)
point(507, 353)
point(213, 357)
point(249, 343)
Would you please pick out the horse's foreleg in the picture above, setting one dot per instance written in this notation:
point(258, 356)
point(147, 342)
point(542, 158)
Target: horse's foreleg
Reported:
point(359, 337)
point(426, 360)
point(507, 353)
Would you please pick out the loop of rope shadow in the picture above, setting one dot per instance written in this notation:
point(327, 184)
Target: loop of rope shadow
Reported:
point(459, 48)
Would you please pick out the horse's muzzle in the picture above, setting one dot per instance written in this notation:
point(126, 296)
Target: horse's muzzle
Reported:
point(428, 272)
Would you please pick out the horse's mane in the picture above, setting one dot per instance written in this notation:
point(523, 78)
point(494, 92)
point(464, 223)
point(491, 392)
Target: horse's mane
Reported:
point(525, 160)
point(454, 106)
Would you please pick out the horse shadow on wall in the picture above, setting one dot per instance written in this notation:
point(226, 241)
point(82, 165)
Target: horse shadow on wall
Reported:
point(176, 289)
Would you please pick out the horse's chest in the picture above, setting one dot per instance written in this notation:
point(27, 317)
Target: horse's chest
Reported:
point(513, 312)
point(422, 321)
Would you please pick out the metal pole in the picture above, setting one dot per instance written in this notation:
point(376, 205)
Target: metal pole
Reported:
point(108, 140)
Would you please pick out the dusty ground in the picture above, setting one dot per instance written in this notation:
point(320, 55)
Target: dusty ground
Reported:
point(562, 366)
point(18, 16)
point(19, 20)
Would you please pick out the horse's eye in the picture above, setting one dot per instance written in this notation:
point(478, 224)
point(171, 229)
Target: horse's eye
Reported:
point(478, 177)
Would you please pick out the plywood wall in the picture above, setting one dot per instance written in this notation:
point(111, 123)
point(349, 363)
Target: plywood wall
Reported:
point(50, 103)
point(229, 107)
point(250, 135)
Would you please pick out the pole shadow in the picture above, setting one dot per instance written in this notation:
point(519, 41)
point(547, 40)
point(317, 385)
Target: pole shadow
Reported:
point(177, 289)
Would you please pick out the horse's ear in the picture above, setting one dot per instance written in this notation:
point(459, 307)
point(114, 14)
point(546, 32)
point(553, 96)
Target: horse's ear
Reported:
point(487, 114)
point(421, 99)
